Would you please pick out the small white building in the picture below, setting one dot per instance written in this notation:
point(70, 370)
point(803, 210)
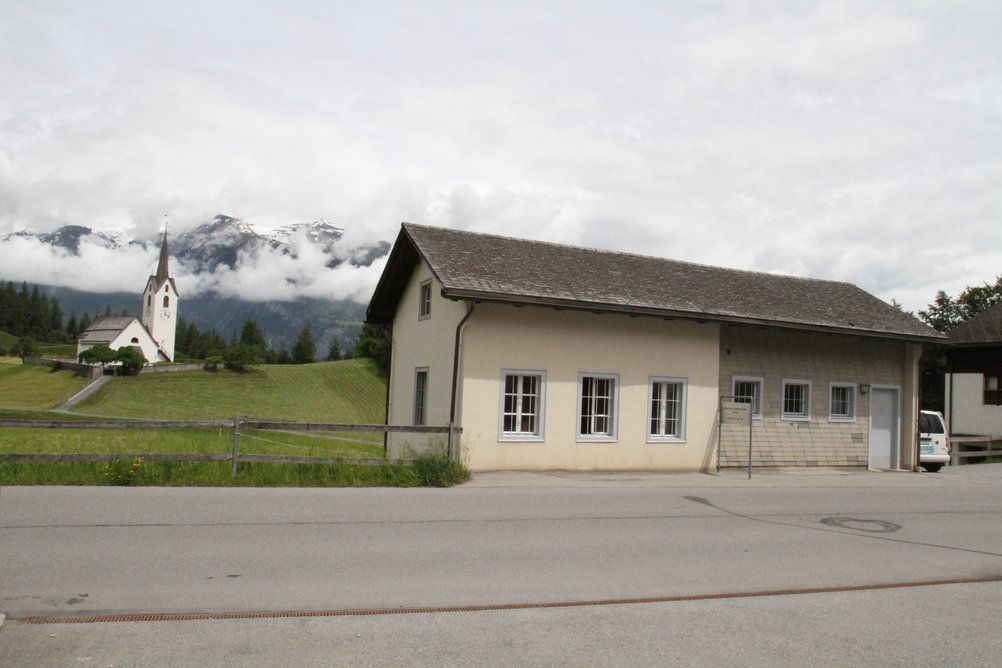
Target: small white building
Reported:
point(974, 376)
point(154, 336)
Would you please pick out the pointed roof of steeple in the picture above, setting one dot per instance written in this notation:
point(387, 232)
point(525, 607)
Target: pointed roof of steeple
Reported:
point(161, 274)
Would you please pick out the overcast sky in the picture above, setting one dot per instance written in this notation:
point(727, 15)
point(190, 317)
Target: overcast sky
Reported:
point(857, 141)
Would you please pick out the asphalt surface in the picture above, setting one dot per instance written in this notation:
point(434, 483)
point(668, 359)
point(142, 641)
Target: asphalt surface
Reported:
point(694, 545)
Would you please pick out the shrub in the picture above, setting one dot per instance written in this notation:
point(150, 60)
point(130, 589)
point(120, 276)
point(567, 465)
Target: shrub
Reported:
point(435, 470)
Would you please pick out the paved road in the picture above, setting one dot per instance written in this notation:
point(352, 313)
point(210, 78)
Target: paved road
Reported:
point(521, 540)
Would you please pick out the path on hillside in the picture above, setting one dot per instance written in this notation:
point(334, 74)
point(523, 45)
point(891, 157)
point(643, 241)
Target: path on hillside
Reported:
point(90, 389)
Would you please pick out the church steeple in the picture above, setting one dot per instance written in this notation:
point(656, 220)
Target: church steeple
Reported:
point(160, 305)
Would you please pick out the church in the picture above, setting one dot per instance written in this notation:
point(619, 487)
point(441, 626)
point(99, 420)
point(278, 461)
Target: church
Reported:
point(153, 337)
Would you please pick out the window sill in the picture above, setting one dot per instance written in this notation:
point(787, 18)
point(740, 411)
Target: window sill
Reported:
point(843, 420)
point(528, 438)
point(660, 441)
point(596, 439)
point(795, 418)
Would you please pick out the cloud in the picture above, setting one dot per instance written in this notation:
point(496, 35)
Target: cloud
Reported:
point(853, 140)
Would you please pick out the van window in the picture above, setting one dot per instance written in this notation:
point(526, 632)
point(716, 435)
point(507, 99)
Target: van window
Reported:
point(931, 424)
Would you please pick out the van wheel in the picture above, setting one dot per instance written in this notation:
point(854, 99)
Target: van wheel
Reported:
point(932, 468)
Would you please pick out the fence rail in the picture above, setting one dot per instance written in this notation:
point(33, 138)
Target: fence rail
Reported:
point(236, 425)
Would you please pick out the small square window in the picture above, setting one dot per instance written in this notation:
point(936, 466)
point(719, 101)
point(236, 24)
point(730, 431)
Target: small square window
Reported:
point(842, 402)
point(796, 400)
point(424, 303)
point(748, 390)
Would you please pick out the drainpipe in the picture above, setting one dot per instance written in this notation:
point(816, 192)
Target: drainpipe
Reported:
point(455, 376)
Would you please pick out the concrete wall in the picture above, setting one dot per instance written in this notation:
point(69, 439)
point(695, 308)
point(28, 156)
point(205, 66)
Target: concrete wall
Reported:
point(969, 413)
point(425, 343)
point(564, 344)
point(87, 370)
point(776, 355)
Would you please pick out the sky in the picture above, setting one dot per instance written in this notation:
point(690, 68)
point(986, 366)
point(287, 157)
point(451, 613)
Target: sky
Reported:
point(854, 141)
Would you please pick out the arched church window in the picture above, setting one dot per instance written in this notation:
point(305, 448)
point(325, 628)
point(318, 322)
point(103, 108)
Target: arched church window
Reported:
point(166, 300)
point(135, 340)
point(149, 300)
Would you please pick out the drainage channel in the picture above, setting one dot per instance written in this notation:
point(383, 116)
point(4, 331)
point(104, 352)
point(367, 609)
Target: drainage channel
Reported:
point(488, 607)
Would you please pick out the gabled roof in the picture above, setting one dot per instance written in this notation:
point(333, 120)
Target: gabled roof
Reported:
point(481, 267)
point(983, 329)
point(105, 329)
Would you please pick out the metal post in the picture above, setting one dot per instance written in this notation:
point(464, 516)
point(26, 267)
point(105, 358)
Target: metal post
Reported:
point(236, 443)
point(720, 428)
point(750, 411)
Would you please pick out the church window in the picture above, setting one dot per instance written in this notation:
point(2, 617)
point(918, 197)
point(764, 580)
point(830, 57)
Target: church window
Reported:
point(149, 300)
point(166, 301)
point(135, 340)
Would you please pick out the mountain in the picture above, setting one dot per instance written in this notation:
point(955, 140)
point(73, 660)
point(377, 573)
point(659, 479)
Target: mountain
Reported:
point(229, 241)
point(222, 240)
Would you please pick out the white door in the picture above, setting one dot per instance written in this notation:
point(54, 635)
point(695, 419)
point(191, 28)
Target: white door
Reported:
point(883, 428)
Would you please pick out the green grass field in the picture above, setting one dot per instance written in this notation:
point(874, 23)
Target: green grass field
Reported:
point(349, 391)
point(7, 340)
point(35, 387)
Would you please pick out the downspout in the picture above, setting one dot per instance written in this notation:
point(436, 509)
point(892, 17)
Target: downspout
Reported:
point(389, 380)
point(455, 378)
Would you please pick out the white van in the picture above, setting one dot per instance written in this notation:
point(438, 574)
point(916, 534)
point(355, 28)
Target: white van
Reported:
point(934, 442)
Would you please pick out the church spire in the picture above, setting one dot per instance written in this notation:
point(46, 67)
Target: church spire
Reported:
point(162, 266)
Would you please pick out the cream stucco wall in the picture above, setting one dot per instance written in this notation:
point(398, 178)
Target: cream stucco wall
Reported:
point(564, 344)
point(969, 414)
point(421, 343)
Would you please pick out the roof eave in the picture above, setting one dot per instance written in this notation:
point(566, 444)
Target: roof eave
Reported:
point(596, 307)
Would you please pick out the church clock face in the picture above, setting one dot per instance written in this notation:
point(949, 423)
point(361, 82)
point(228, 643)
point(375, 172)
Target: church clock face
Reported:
point(164, 313)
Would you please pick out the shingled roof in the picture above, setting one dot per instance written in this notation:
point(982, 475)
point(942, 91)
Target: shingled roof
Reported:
point(105, 329)
point(984, 329)
point(481, 267)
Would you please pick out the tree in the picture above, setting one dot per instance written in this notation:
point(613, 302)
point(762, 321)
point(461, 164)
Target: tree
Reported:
point(72, 326)
point(305, 350)
point(374, 343)
point(132, 361)
point(98, 355)
point(239, 357)
point(334, 352)
point(251, 334)
point(25, 347)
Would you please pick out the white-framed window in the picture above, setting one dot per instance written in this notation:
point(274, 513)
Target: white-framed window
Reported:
point(666, 408)
point(842, 402)
point(796, 400)
point(598, 403)
point(424, 300)
point(421, 396)
point(523, 405)
point(748, 390)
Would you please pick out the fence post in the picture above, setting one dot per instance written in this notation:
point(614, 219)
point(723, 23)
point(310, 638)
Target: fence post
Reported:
point(236, 443)
point(452, 442)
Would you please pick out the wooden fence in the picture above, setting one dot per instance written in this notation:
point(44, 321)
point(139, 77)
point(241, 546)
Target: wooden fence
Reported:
point(236, 425)
point(966, 447)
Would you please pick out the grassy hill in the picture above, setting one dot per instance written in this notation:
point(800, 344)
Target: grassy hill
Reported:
point(7, 340)
point(35, 387)
point(347, 391)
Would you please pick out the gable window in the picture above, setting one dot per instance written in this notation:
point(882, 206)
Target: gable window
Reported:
point(424, 300)
point(421, 396)
point(599, 399)
point(149, 300)
point(523, 397)
point(748, 390)
point(666, 409)
point(166, 301)
point(796, 400)
point(842, 402)
point(992, 395)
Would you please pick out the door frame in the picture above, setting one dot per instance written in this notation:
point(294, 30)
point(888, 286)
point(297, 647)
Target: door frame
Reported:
point(896, 444)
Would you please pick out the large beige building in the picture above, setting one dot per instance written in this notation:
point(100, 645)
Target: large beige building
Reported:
point(547, 356)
